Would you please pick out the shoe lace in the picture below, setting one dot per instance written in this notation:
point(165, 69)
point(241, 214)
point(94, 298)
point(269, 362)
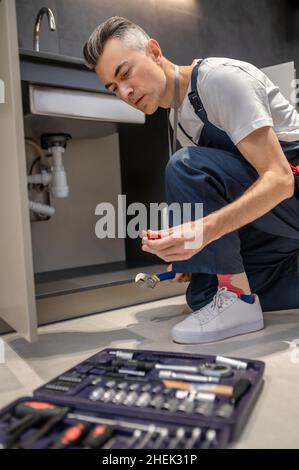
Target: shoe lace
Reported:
point(221, 299)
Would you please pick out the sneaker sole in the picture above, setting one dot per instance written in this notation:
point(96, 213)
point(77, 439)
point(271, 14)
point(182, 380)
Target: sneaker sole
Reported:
point(220, 335)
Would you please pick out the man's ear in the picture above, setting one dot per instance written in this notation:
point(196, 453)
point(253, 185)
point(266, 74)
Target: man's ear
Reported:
point(154, 50)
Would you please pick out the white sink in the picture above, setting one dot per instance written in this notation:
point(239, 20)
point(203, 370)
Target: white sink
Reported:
point(78, 104)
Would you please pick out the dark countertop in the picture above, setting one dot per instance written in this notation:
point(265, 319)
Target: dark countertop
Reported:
point(45, 68)
point(49, 57)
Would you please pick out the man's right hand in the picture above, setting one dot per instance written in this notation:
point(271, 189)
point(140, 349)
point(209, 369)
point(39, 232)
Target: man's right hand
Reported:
point(180, 277)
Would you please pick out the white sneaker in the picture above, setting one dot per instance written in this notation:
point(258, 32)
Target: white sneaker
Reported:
point(227, 315)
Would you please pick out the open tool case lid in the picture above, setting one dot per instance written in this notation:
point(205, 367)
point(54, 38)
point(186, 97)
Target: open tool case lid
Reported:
point(230, 425)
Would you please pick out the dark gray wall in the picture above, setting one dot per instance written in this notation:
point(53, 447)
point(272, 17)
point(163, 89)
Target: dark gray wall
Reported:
point(263, 32)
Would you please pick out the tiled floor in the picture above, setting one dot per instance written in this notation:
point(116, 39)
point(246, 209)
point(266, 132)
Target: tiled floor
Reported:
point(274, 420)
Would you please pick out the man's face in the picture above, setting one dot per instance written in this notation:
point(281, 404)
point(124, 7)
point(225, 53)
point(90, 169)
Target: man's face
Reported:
point(134, 76)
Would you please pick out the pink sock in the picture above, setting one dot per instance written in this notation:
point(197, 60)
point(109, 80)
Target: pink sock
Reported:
point(225, 280)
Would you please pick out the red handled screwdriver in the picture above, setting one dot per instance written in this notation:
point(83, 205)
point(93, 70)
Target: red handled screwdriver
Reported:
point(98, 436)
point(16, 430)
point(32, 413)
point(42, 431)
point(40, 408)
point(70, 436)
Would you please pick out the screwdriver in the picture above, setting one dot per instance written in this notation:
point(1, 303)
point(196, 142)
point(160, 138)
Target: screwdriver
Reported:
point(70, 436)
point(226, 390)
point(39, 408)
point(98, 436)
point(5, 418)
point(17, 429)
point(21, 423)
point(32, 413)
point(45, 429)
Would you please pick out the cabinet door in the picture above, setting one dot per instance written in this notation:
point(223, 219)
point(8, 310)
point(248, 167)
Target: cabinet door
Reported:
point(17, 297)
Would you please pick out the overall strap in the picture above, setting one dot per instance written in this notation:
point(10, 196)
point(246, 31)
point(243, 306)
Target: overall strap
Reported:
point(194, 97)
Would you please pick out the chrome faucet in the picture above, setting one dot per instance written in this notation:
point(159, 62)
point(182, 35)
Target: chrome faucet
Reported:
point(52, 25)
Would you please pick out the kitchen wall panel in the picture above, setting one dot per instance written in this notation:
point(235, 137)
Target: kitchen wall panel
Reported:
point(260, 31)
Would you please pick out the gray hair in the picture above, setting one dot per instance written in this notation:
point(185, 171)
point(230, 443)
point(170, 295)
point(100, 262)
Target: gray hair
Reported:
point(115, 27)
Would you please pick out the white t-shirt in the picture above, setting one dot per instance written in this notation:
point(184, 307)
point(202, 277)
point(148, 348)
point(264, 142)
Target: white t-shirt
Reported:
point(238, 98)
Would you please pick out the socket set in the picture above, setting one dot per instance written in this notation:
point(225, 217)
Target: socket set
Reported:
point(33, 424)
point(162, 400)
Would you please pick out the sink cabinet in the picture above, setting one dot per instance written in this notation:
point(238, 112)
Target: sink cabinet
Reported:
point(17, 293)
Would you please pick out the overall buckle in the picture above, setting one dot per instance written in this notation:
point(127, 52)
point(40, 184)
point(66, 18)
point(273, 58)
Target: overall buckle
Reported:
point(195, 101)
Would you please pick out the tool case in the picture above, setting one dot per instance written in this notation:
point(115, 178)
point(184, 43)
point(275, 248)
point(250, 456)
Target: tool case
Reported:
point(120, 399)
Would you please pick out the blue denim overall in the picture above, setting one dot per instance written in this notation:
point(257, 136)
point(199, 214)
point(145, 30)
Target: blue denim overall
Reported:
point(215, 173)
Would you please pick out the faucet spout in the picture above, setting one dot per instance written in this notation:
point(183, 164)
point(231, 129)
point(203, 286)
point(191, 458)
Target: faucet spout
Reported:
point(52, 25)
